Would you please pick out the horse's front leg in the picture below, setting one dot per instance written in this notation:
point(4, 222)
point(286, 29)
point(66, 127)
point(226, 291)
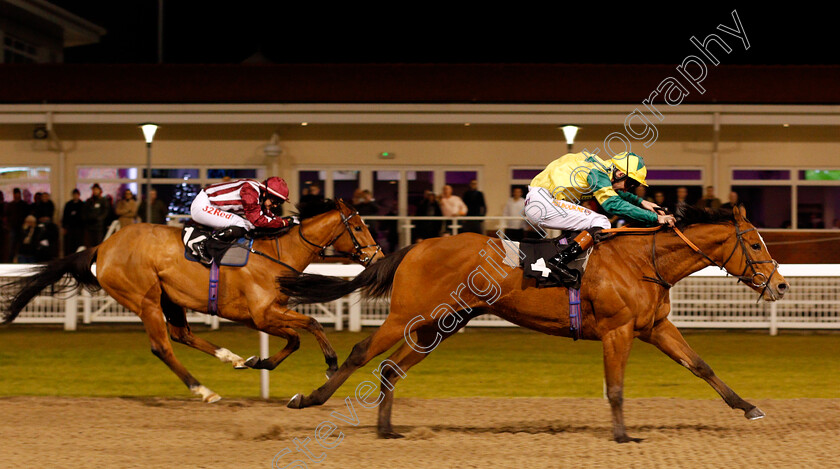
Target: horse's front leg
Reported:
point(280, 322)
point(617, 345)
point(666, 337)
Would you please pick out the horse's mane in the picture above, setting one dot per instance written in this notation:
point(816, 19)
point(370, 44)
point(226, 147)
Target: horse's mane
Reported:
point(690, 215)
point(310, 209)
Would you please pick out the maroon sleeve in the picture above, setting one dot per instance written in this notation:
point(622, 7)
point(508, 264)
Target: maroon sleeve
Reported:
point(254, 211)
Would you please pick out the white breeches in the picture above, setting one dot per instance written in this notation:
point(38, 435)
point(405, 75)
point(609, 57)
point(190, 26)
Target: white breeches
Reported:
point(202, 211)
point(543, 209)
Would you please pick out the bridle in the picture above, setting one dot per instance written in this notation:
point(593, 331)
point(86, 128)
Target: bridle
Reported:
point(749, 263)
point(357, 255)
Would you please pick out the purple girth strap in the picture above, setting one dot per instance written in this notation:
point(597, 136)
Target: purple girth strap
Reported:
point(213, 294)
point(574, 307)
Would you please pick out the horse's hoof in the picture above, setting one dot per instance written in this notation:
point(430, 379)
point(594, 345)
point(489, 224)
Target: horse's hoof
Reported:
point(627, 439)
point(296, 402)
point(392, 435)
point(212, 398)
point(754, 414)
point(243, 365)
point(253, 362)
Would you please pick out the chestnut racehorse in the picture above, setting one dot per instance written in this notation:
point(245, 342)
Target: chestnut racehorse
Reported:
point(142, 266)
point(624, 295)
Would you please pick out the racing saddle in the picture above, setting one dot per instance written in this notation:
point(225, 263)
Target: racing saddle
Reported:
point(200, 239)
point(537, 254)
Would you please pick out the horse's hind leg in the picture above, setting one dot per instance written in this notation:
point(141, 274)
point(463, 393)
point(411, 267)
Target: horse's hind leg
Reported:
point(666, 337)
point(400, 361)
point(179, 330)
point(617, 344)
point(384, 338)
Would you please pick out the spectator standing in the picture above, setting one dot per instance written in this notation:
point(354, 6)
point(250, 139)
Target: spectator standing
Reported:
point(474, 200)
point(43, 206)
point(428, 207)
point(515, 207)
point(682, 201)
point(709, 202)
point(659, 199)
point(127, 209)
point(734, 202)
point(37, 241)
point(16, 212)
point(313, 195)
point(159, 209)
point(95, 212)
point(450, 204)
point(366, 205)
point(73, 224)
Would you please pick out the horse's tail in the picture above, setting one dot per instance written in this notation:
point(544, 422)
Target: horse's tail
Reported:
point(375, 281)
point(76, 265)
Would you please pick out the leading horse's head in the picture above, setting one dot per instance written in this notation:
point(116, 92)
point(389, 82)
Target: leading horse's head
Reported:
point(744, 255)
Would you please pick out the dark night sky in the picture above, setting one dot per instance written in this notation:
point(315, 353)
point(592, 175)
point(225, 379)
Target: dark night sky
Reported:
point(230, 32)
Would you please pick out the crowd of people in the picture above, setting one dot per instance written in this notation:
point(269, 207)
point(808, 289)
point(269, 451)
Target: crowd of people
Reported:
point(32, 232)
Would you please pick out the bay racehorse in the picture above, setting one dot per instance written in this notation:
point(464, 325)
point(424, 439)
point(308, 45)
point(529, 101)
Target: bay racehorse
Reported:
point(143, 267)
point(438, 285)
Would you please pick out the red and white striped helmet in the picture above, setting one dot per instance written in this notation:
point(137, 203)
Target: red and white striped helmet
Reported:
point(277, 187)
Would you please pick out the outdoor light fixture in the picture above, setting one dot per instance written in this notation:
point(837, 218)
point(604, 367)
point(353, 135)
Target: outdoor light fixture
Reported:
point(569, 131)
point(149, 130)
point(272, 148)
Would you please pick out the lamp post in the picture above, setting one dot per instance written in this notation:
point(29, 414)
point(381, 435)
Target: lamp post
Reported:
point(149, 130)
point(569, 131)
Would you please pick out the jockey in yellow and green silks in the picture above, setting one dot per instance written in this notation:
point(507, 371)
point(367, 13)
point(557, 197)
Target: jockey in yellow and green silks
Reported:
point(555, 193)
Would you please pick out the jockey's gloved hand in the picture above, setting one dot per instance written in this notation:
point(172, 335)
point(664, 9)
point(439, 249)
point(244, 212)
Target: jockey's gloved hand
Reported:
point(666, 220)
point(293, 220)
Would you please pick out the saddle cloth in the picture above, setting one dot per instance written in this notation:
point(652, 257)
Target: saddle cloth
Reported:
point(538, 252)
point(227, 254)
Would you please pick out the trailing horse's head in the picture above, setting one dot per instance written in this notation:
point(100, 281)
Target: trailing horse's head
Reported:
point(356, 239)
point(747, 258)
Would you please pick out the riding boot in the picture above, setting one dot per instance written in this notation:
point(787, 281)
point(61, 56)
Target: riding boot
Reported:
point(229, 234)
point(559, 264)
point(200, 252)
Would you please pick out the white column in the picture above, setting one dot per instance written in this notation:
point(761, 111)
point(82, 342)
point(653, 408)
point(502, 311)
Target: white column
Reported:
point(339, 314)
point(71, 312)
point(263, 373)
point(355, 314)
point(774, 328)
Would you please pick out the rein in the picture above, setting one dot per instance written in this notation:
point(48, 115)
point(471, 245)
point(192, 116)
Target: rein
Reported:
point(356, 255)
point(275, 260)
point(749, 262)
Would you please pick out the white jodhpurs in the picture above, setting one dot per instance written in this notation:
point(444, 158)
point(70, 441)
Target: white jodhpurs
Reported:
point(543, 209)
point(202, 211)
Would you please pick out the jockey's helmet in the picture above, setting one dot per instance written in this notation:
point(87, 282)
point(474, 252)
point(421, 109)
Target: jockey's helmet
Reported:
point(276, 188)
point(632, 165)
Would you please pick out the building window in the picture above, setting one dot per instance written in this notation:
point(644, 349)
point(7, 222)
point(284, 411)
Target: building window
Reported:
point(176, 187)
point(18, 51)
point(30, 180)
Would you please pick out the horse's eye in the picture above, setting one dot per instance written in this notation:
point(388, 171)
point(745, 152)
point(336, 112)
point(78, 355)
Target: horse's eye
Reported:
point(756, 246)
point(358, 228)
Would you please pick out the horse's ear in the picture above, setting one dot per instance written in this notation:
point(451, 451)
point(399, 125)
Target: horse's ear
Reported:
point(739, 216)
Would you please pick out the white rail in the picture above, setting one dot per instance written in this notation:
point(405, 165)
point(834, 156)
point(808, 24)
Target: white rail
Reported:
point(707, 299)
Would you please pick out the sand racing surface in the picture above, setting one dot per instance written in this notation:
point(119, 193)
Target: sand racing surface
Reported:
point(458, 432)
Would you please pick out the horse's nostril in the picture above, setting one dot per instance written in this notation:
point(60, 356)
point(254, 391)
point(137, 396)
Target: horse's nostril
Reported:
point(783, 287)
